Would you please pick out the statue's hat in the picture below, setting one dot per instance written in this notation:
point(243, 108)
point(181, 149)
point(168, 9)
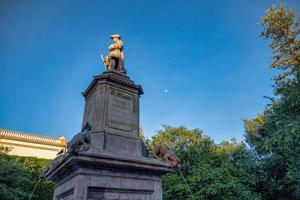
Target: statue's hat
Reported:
point(115, 36)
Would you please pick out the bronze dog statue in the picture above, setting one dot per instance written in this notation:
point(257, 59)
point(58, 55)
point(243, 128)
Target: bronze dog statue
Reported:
point(161, 151)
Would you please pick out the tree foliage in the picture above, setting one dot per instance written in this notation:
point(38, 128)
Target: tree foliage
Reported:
point(283, 28)
point(212, 171)
point(19, 175)
point(178, 138)
point(275, 134)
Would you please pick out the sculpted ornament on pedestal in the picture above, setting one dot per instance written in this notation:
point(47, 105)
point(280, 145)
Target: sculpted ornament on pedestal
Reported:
point(114, 61)
point(161, 151)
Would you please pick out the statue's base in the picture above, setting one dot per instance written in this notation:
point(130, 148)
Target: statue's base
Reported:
point(105, 176)
point(109, 164)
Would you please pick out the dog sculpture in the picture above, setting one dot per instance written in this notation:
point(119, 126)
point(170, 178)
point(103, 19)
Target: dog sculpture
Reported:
point(79, 143)
point(161, 151)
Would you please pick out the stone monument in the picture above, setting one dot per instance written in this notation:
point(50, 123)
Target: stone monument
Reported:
point(105, 161)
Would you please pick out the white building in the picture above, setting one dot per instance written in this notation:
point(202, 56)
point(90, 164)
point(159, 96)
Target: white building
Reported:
point(25, 144)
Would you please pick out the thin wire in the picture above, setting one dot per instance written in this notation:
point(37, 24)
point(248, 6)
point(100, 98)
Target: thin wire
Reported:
point(188, 187)
point(34, 188)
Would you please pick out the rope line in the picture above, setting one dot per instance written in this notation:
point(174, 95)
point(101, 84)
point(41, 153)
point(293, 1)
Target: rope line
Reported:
point(34, 189)
point(188, 187)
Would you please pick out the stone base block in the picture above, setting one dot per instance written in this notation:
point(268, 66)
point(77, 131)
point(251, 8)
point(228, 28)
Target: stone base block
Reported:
point(88, 184)
point(105, 177)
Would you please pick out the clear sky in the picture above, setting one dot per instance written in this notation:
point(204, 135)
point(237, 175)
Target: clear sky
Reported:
point(207, 54)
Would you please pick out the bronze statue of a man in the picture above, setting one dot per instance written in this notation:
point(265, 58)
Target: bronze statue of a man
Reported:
point(114, 61)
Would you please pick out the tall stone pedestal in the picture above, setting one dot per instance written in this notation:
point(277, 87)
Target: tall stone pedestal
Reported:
point(105, 160)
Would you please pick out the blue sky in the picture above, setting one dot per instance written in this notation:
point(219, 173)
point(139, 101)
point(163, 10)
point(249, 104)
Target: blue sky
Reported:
point(207, 54)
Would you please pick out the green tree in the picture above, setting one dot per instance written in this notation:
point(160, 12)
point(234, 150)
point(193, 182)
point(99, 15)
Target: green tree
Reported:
point(275, 134)
point(212, 171)
point(283, 28)
point(146, 146)
point(176, 138)
point(19, 175)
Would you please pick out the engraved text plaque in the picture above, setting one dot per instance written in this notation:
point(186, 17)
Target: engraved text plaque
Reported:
point(120, 110)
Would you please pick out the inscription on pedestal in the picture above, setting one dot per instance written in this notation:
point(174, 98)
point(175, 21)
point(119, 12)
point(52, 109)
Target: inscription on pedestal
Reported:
point(120, 110)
